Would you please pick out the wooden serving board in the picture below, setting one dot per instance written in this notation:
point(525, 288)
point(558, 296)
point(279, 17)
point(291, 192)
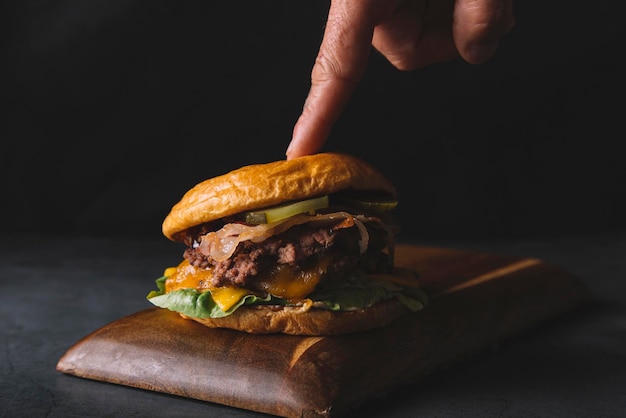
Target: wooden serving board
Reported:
point(476, 300)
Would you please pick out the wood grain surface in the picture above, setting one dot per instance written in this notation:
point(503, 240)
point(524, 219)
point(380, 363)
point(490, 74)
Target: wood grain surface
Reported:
point(476, 300)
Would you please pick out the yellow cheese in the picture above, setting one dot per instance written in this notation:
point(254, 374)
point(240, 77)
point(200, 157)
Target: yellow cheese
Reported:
point(169, 271)
point(283, 281)
point(186, 276)
point(226, 297)
point(289, 283)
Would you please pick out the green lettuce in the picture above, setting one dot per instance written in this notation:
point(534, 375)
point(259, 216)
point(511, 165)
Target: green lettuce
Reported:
point(355, 293)
point(359, 292)
point(192, 303)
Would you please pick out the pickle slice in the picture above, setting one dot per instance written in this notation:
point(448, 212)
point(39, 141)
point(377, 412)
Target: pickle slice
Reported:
point(371, 206)
point(278, 213)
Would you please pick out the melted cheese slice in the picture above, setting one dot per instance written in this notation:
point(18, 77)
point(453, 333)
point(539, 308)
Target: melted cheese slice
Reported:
point(283, 281)
point(186, 276)
point(290, 283)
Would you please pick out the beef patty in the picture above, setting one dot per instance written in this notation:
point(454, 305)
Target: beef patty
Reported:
point(300, 246)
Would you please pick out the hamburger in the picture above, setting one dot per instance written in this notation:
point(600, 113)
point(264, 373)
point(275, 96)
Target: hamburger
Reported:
point(302, 246)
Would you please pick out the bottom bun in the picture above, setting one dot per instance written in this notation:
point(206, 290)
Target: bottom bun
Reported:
point(298, 321)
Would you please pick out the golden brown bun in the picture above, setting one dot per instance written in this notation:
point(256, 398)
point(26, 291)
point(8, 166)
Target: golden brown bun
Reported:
point(265, 320)
point(262, 185)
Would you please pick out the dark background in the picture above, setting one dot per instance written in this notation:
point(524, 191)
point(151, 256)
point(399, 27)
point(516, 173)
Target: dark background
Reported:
point(115, 108)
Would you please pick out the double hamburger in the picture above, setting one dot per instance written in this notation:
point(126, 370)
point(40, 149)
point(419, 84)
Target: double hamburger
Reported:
point(302, 246)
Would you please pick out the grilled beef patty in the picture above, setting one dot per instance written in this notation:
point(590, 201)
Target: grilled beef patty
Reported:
point(299, 246)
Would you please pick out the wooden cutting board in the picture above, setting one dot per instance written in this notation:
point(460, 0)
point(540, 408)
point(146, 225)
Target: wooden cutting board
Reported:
point(476, 300)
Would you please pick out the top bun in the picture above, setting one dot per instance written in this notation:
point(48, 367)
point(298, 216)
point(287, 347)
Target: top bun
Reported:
point(261, 185)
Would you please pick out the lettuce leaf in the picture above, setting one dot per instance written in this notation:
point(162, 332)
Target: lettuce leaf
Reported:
point(190, 302)
point(356, 293)
point(359, 292)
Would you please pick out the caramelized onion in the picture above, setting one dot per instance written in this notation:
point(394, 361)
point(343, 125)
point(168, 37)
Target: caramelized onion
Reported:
point(221, 244)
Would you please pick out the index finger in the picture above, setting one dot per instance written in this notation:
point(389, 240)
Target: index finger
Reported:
point(339, 66)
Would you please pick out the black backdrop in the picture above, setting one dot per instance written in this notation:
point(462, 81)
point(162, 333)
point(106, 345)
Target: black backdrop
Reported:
point(115, 108)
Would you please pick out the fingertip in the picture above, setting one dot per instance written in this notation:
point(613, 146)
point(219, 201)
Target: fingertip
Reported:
point(481, 49)
point(299, 144)
point(479, 26)
point(289, 152)
point(293, 150)
point(478, 53)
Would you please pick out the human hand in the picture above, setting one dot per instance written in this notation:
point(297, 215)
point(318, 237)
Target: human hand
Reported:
point(410, 33)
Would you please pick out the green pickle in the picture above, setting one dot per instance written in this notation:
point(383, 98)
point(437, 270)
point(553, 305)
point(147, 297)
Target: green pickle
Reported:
point(281, 212)
point(371, 206)
point(278, 213)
